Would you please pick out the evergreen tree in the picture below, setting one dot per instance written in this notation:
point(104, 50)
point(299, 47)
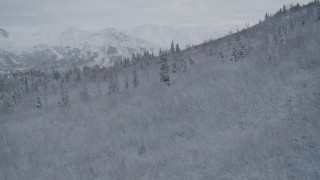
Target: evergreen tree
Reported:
point(221, 56)
point(210, 51)
point(38, 103)
point(164, 70)
point(113, 85)
point(234, 55)
point(160, 51)
point(135, 78)
point(26, 86)
point(8, 103)
point(172, 47)
point(45, 90)
point(99, 88)
point(284, 29)
point(64, 101)
point(126, 82)
point(185, 63)
point(284, 9)
point(303, 20)
point(84, 95)
point(174, 67)
point(177, 48)
point(242, 48)
point(266, 16)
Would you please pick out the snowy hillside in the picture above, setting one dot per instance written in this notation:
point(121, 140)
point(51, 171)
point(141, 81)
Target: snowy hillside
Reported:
point(244, 106)
point(72, 47)
point(163, 35)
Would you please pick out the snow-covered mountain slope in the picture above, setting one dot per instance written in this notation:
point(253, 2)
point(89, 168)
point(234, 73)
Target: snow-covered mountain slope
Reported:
point(256, 117)
point(72, 47)
point(163, 35)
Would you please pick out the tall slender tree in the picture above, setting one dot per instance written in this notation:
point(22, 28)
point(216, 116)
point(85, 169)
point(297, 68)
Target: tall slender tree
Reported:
point(164, 70)
point(135, 78)
point(172, 47)
point(178, 48)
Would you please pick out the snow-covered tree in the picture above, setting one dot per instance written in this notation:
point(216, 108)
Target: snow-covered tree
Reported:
point(284, 9)
point(174, 67)
point(126, 82)
point(172, 47)
point(135, 81)
point(84, 94)
point(284, 29)
point(64, 101)
point(7, 103)
point(234, 54)
point(164, 69)
point(113, 85)
point(185, 63)
point(160, 51)
point(266, 17)
point(178, 48)
point(221, 56)
point(242, 48)
point(38, 103)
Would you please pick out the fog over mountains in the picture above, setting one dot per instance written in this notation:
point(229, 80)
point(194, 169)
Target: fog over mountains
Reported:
point(163, 35)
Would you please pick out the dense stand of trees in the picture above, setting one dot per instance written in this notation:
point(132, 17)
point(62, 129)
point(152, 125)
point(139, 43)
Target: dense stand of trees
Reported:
point(38, 85)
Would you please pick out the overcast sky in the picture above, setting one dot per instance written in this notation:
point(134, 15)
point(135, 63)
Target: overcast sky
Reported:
point(55, 15)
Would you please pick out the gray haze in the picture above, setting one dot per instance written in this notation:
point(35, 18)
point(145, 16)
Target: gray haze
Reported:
point(39, 15)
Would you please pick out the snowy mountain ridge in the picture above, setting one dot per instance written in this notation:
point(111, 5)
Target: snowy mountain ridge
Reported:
point(71, 47)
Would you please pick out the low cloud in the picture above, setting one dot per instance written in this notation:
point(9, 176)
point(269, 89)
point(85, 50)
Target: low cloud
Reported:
point(39, 15)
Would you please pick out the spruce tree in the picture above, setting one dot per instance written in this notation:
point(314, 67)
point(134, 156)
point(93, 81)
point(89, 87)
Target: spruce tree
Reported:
point(8, 103)
point(113, 85)
point(242, 48)
point(164, 70)
point(266, 16)
point(172, 47)
point(185, 63)
point(234, 55)
point(84, 95)
point(174, 67)
point(284, 9)
point(177, 48)
point(135, 78)
point(38, 103)
point(64, 101)
point(221, 56)
point(126, 82)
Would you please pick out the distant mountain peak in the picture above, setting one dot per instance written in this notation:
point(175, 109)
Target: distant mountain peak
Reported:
point(70, 46)
point(4, 33)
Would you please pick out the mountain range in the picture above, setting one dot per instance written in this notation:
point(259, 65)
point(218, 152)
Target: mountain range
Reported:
point(71, 47)
point(74, 47)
